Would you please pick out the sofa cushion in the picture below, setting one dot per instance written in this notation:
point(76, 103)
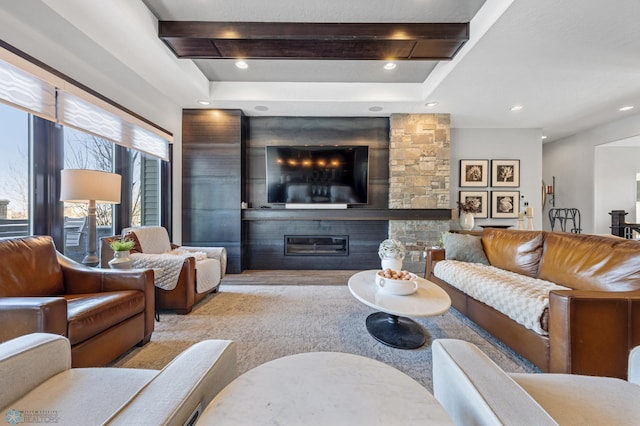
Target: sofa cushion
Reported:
point(512, 250)
point(591, 262)
point(29, 268)
point(90, 314)
point(463, 247)
point(521, 298)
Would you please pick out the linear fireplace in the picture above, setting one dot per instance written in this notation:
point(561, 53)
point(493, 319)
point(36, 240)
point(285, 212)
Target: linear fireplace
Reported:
point(316, 245)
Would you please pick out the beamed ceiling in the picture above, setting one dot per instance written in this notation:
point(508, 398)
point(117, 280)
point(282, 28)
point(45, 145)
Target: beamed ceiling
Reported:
point(570, 64)
point(289, 40)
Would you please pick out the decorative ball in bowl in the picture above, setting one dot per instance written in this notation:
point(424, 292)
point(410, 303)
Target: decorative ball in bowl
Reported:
point(398, 283)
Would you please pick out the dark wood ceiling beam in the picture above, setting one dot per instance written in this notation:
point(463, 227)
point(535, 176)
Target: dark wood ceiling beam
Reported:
point(285, 40)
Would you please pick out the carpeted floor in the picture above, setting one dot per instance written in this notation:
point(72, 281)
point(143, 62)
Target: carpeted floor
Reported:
point(272, 321)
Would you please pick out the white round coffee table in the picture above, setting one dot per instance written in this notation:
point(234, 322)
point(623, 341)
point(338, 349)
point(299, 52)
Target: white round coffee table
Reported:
point(324, 388)
point(391, 326)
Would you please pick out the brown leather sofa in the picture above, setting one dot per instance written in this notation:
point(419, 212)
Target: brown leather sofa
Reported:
point(592, 327)
point(103, 313)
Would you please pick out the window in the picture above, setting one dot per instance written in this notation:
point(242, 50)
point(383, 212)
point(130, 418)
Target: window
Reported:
point(50, 122)
point(85, 151)
point(14, 172)
point(145, 190)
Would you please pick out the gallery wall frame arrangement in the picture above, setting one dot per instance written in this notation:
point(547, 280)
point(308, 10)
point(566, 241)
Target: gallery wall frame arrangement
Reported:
point(505, 204)
point(474, 173)
point(480, 201)
point(505, 173)
point(491, 173)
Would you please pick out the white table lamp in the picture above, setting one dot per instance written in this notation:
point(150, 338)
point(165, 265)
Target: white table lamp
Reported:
point(90, 187)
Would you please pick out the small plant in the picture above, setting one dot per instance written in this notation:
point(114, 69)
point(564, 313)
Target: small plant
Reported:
point(124, 244)
point(391, 249)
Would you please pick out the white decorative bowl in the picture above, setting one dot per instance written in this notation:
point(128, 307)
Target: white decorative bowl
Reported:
point(397, 287)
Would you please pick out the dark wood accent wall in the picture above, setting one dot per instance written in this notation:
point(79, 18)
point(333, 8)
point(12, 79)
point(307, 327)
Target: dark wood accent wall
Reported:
point(370, 131)
point(266, 248)
point(223, 164)
point(213, 171)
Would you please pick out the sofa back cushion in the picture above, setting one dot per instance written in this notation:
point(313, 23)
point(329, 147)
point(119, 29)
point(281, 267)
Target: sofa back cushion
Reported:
point(512, 250)
point(591, 262)
point(29, 267)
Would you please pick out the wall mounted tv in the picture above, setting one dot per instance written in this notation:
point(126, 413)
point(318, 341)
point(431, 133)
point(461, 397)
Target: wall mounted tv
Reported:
point(320, 174)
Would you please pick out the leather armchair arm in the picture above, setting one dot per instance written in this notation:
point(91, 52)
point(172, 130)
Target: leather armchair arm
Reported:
point(432, 255)
point(592, 332)
point(24, 315)
point(79, 279)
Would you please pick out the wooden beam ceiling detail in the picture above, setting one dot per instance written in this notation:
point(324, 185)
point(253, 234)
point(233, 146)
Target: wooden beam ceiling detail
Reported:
point(342, 41)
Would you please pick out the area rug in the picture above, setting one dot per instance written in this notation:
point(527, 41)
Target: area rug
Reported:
point(272, 321)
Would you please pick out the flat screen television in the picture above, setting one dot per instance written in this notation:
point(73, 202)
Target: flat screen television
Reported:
point(318, 174)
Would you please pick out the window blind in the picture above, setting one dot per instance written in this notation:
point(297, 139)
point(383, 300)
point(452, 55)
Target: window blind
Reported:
point(37, 91)
point(27, 92)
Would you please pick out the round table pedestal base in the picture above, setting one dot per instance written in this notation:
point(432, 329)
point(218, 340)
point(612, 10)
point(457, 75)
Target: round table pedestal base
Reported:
point(397, 332)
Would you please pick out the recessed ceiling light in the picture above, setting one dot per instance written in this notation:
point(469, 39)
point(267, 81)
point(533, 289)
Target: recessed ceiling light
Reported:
point(431, 104)
point(516, 108)
point(389, 66)
point(543, 137)
point(375, 108)
point(204, 102)
point(242, 65)
point(626, 108)
point(261, 108)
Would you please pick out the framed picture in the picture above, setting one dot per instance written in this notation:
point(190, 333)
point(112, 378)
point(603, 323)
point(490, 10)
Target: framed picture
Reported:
point(474, 173)
point(505, 173)
point(479, 200)
point(505, 204)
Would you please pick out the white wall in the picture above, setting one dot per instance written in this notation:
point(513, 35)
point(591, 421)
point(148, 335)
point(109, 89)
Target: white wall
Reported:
point(509, 144)
point(84, 61)
point(615, 184)
point(572, 161)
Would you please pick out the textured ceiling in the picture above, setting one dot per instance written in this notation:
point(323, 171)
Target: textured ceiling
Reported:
point(571, 64)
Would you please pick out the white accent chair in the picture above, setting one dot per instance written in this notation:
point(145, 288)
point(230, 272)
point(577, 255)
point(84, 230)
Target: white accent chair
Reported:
point(37, 380)
point(475, 391)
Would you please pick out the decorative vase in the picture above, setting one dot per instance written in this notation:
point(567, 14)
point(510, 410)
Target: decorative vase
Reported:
point(466, 220)
point(121, 260)
point(390, 263)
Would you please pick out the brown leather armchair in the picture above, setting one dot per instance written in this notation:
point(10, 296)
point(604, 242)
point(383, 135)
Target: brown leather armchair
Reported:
point(184, 275)
point(103, 313)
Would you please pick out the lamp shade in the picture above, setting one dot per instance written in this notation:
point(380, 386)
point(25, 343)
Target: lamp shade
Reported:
point(82, 186)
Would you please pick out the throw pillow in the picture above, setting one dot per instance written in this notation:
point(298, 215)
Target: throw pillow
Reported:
point(463, 247)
